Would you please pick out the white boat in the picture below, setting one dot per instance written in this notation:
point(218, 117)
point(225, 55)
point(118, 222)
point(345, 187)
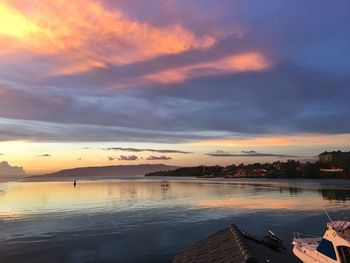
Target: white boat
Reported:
point(333, 247)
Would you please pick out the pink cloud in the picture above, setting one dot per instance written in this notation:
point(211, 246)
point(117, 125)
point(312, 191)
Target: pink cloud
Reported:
point(241, 62)
point(86, 34)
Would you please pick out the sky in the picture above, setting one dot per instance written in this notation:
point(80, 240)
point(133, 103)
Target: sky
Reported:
point(102, 82)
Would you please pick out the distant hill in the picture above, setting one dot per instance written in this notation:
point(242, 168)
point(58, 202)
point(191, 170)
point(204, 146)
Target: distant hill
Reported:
point(108, 171)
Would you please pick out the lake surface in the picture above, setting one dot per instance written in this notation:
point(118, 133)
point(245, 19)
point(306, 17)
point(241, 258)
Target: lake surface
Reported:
point(139, 220)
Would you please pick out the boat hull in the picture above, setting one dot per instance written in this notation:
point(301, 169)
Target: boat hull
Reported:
point(303, 256)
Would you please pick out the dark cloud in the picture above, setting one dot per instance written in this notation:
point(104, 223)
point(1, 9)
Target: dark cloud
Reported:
point(156, 158)
point(128, 158)
point(249, 154)
point(143, 150)
point(286, 99)
point(44, 155)
point(47, 131)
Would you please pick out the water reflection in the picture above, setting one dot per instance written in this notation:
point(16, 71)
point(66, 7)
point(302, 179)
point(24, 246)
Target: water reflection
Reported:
point(153, 217)
point(45, 197)
point(335, 194)
point(20, 199)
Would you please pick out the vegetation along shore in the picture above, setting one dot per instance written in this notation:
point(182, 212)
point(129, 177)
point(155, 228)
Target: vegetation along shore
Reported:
point(330, 165)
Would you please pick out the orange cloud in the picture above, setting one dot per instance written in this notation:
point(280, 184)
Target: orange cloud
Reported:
point(250, 61)
point(168, 76)
point(83, 31)
point(80, 65)
point(253, 61)
point(286, 140)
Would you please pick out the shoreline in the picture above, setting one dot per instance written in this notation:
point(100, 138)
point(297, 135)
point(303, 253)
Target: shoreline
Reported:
point(171, 178)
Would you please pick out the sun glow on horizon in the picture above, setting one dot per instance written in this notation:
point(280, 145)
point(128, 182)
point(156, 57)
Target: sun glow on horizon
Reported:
point(44, 157)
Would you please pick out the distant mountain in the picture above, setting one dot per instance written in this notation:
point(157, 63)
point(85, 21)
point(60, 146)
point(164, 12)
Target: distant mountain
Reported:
point(109, 171)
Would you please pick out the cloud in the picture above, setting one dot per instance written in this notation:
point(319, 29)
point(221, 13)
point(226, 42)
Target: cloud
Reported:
point(128, 158)
point(93, 38)
point(282, 140)
point(156, 158)
point(245, 62)
point(185, 72)
point(44, 155)
point(123, 158)
point(249, 154)
point(143, 150)
point(7, 170)
point(46, 132)
point(194, 106)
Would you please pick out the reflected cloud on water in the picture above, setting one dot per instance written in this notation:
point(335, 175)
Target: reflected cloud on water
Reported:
point(105, 219)
point(27, 198)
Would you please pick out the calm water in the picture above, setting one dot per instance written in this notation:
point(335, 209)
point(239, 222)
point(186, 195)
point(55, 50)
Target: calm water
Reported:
point(138, 220)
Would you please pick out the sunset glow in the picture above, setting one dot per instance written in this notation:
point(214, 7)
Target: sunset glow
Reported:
point(80, 76)
point(130, 130)
point(13, 23)
point(236, 63)
point(86, 31)
point(286, 140)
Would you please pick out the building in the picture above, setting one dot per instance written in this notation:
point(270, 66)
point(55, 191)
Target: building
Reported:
point(335, 156)
point(231, 245)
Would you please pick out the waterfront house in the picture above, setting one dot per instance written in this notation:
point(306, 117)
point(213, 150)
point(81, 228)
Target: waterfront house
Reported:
point(335, 157)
